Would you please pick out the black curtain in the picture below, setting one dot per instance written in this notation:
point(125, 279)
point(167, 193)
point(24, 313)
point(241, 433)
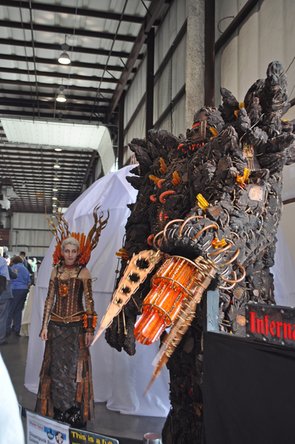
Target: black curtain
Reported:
point(249, 391)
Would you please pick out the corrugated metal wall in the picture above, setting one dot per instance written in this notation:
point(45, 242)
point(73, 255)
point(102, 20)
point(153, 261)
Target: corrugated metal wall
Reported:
point(267, 34)
point(168, 82)
point(133, 98)
point(30, 233)
point(172, 78)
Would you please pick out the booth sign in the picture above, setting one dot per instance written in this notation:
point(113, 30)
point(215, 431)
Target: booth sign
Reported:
point(271, 323)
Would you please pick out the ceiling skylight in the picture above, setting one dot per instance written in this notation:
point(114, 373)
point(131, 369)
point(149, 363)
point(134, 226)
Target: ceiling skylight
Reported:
point(59, 134)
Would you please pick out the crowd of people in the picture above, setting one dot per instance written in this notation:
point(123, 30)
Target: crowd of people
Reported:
point(17, 274)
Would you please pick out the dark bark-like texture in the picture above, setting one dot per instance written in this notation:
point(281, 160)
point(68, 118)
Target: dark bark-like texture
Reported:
point(212, 160)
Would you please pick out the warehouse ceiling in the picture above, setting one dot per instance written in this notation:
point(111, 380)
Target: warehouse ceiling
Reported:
point(105, 41)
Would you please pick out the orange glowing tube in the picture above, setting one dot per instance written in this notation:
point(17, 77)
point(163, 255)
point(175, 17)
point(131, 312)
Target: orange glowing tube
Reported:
point(174, 281)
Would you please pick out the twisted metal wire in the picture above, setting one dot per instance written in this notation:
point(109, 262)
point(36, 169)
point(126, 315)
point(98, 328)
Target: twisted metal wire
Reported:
point(222, 258)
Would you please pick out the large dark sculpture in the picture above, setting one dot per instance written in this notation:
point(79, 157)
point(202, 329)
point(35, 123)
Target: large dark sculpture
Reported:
point(233, 157)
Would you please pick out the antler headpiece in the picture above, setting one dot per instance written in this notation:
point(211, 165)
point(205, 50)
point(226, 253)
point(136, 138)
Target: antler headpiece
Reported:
point(87, 243)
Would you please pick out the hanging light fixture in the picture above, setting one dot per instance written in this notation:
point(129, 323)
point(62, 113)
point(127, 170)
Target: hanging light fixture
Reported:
point(64, 58)
point(61, 95)
point(56, 165)
point(55, 190)
point(58, 149)
point(55, 178)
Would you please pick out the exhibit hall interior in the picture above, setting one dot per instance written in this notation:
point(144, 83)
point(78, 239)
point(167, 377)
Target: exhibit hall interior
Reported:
point(147, 200)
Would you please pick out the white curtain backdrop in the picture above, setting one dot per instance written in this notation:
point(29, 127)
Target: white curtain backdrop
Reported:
point(119, 380)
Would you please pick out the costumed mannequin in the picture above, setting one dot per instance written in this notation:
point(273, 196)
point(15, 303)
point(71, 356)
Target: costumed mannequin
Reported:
point(211, 201)
point(65, 390)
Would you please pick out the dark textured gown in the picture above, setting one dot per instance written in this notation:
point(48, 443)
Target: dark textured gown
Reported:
point(65, 389)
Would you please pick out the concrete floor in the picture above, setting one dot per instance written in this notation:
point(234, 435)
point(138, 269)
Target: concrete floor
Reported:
point(128, 429)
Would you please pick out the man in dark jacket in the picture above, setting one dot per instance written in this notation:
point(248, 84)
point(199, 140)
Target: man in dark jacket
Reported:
point(27, 265)
point(25, 261)
point(5, 294)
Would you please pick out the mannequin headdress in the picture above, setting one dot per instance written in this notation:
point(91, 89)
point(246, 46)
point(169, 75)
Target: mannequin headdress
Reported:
point(61, 231)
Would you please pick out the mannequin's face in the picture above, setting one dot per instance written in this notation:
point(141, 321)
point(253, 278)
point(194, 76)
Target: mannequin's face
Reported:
point(70, 254)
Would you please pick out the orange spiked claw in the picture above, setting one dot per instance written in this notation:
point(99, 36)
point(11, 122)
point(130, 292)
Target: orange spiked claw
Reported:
point(154, 179)
point(176, 179)
point(123, 254)
point(163, 165)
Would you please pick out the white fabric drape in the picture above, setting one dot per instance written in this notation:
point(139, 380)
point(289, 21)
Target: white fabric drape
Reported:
point(119, 380)
point(27, 313)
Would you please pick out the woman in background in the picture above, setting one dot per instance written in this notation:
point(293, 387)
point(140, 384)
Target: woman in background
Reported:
point(19, 286)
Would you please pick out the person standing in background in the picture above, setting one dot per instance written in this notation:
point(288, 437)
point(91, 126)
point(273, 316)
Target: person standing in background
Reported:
point(23, 255)
point(20, 287)
point(33, 264)
point(28, 266)
point(5, 294)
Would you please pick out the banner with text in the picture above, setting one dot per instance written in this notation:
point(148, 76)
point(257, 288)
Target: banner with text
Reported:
point(271, 323)
point(84, 437)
